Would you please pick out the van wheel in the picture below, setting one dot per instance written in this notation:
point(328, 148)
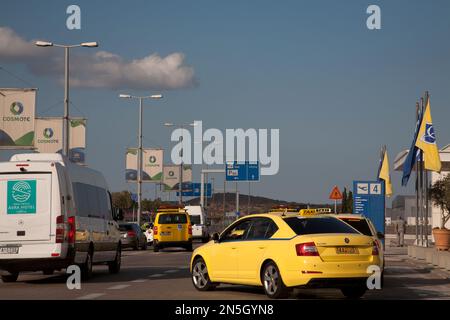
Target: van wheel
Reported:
point(273, 284)
point(86, 268)
point(155, 246)
point(114, 266)
point(354, 292)
point(200, 276)
point(10, 277)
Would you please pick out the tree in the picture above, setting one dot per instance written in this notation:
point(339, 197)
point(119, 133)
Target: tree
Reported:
point(350, 202)
point(440, 195)
point(122, 200)
point(344, 207)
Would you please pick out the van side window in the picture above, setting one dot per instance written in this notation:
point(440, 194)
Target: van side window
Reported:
point(92, 201)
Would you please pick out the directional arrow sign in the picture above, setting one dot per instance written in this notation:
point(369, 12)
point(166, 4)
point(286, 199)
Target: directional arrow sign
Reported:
point(335, 194)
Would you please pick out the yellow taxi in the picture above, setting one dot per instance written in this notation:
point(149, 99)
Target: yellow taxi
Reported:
point(172, 228)
point(283, 250)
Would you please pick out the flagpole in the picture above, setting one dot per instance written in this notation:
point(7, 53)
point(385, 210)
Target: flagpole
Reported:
point(421, 167)
point(427, 97)
point(417, 183)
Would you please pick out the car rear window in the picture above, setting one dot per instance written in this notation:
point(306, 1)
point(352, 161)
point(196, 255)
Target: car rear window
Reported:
point(125, 227)
point(172, 218)
point(195, 219)
point(359, 224)
point(318, 225)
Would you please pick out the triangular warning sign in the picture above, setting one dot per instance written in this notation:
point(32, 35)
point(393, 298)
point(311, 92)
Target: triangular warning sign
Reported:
point(335, 194)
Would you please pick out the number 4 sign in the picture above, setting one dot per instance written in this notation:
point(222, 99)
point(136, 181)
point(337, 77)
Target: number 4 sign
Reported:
point(375, 188)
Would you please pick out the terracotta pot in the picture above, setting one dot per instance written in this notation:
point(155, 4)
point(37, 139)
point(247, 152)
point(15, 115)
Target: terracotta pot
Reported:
point(441, 239)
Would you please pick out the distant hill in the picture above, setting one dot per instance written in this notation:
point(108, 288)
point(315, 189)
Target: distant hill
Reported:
point(255, 204)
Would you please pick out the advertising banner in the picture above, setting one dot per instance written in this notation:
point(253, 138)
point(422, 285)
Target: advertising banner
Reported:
point(152, 165)
point(17, 110)
point(171, 177)
point(49, 137)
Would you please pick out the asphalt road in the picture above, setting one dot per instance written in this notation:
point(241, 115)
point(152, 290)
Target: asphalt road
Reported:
point(165, 275)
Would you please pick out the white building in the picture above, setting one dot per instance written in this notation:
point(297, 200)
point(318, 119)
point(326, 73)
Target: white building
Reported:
point(444, 154)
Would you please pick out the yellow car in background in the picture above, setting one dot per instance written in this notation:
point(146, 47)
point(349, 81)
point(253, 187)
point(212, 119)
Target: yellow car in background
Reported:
point(172, 228)
point(285, 250)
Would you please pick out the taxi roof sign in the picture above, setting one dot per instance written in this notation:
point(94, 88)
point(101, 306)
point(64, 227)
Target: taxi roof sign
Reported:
point(313, 212)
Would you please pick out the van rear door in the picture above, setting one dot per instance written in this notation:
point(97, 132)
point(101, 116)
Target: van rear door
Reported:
point(25, 206)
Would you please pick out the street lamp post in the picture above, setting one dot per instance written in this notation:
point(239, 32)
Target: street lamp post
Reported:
point(180, 182)
point(65, 148)
point(139, 164)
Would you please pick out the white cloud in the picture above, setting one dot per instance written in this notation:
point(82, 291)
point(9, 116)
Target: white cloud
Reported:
point(100, 69)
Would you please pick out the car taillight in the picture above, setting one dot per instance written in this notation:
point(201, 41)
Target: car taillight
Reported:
point(306, 249)
point(60, 229)
point(155, 230)
point(189, 229)
point(131, 233)
point(375, 251)
point(71, 235)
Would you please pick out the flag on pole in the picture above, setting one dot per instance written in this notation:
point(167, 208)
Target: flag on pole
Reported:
point(411, 159)
point(384, 173)
point(426, 141)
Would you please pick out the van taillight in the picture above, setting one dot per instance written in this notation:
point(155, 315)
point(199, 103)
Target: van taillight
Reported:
point(189, 229)
point(155, 230)
point(306, 249)
point(72, 230)
point(60, 228)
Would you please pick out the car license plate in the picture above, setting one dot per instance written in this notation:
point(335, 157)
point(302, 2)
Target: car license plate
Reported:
point(347, 250)
point(165, 233)
point(9, 250)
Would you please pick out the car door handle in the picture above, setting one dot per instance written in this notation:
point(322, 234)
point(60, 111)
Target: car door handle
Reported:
point(233, 248)
point(261, 248)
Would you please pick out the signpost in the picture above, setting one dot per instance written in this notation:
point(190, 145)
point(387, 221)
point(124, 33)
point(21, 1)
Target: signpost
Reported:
point(242, 171)
point(369, 200)
point(335, 195)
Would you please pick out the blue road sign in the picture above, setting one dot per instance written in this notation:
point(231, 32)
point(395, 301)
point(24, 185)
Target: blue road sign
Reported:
point(134, 197)
point(369, 200)
point(242, 171)
point(194, 190)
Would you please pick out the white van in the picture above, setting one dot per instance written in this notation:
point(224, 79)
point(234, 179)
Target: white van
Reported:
point(53, 214)
point(200, 228)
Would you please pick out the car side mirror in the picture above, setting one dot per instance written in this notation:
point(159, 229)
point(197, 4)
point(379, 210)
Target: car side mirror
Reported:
point(215, 237)
point(380, 235)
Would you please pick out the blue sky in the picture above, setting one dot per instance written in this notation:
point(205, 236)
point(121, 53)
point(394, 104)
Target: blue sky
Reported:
point(336, 90)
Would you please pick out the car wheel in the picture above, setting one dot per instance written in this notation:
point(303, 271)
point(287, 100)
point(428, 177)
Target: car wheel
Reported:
point(10, 277)
point(155, 246)
point(136, 247)
point(200, 276)
point(114, 266)
point(86, 268)
point(354, 292)
point(48, 272)
point(273, 283)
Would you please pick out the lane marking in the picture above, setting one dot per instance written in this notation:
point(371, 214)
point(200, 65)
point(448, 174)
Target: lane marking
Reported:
point(90, 296)
point(156, 275)
point(139, 280)
point(119, 287)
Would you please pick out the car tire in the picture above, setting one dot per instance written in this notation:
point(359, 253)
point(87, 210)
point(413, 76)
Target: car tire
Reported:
point(354, 292)
point(114, 266)
point(272, 282)
point(10, 277)
point(86, 268)
point(136, 247)
point(155, 246)
point(200, 276)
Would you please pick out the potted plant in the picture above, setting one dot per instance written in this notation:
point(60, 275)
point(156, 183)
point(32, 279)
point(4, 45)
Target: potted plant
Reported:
point(440, 195)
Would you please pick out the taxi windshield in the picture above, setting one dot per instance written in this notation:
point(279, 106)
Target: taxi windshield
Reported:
point(172, 218)
point(318, 225)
